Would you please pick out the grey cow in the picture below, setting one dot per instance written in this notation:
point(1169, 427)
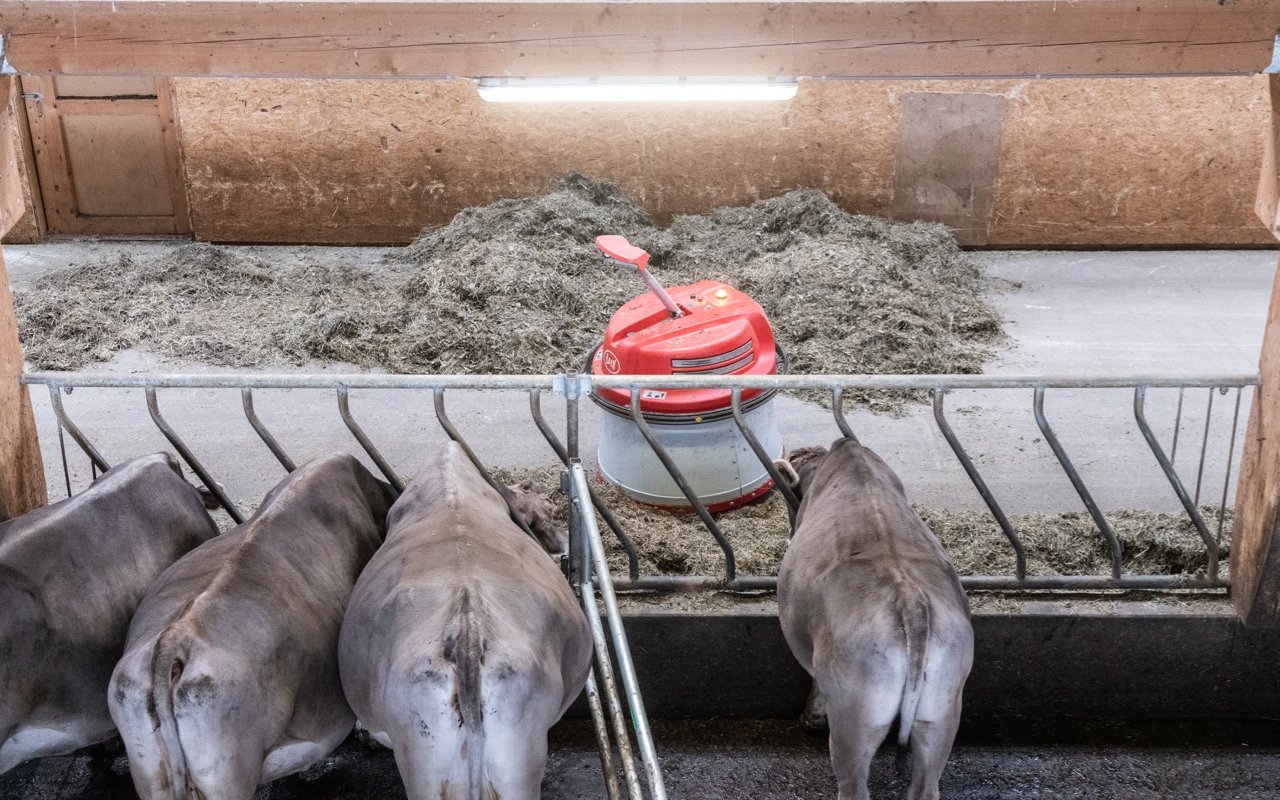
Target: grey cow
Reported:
point(463, 643)
point(230, 677)
point(71, 576)
point(872, 607)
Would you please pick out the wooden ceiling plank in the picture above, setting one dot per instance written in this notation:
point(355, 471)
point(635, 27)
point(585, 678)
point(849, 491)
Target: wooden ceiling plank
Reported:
point(854, 38)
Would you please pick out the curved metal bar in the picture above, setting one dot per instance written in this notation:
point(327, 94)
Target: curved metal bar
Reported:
point(1177, 426)
point(1204, 445)
point(535, 410)
point(1139, 414)
point(1226, 479)
point(246, 400)
point(837, 410)
point(1077, 482)
point(443, 418)
point(635, 700)
point(939, 416)
point(344, 409)
point(765, 459)
point(730, 565)
point(153, 407)
point(55, 399)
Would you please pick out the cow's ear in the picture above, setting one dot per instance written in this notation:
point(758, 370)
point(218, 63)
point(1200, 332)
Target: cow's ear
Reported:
point(788, 472)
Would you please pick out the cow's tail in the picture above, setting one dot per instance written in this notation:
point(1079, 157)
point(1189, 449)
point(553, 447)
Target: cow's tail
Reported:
point(170, 659)
point(465, 650)
point(913, 610)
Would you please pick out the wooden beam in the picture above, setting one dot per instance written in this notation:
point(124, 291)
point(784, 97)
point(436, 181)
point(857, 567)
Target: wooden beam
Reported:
point(22, 486)
point(1255, 544)
point(844, 38)
point(1268, 206)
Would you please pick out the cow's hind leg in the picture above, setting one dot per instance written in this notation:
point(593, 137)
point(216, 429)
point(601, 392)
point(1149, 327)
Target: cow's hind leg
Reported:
point(931, 745)
point(860, 715)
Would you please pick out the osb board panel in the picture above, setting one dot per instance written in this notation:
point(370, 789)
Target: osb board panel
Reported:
point(1089, 162)
point(341, 161)
point(1132, 161)
point(948, 154)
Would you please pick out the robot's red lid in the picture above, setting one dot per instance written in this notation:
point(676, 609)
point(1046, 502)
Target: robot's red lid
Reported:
point(722, 332)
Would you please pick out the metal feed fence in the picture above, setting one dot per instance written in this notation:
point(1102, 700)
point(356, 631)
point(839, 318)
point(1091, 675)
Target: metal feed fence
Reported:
point(572, 388)
point(612, 692)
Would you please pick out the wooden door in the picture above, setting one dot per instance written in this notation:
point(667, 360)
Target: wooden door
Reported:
point(106, 153)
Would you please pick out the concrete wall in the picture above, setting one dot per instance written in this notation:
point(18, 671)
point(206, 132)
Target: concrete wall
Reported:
point(1080, 162)
point(1047, 664)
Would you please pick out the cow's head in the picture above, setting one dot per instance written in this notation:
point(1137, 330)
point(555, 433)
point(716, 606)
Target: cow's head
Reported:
point(797, 468)
point(531, 501)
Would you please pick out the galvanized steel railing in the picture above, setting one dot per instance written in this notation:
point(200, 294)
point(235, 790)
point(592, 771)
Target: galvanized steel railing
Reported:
point(572, 387)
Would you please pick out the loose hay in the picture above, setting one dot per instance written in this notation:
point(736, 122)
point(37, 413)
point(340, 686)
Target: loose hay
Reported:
point(518, 287)
point(1152, 543)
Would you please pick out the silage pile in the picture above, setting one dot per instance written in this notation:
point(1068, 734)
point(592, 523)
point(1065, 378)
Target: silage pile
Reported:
point(518, 287)
point(1153, 543)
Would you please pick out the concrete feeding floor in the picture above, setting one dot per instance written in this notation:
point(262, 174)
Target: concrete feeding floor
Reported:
point(1097, 313)
point(761, 760)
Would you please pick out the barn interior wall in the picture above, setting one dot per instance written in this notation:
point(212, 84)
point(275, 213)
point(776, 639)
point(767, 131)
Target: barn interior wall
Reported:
point(1081, 162)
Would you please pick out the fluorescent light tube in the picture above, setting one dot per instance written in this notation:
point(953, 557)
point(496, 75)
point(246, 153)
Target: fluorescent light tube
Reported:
point(635, 90)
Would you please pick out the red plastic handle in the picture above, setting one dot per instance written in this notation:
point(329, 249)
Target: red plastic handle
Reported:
point(619, 249)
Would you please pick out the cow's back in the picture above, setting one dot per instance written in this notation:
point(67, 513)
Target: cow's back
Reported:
point(73, 573)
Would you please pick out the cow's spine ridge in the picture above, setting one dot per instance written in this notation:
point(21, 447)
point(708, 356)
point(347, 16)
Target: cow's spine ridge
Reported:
point(467, 655)
point(166, 668)
point(913, 610)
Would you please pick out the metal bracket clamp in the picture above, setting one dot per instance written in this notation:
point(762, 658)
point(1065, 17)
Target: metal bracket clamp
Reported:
point(571, 385)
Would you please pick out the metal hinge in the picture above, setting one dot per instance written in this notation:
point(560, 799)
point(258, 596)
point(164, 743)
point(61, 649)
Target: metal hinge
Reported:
point(38, 99)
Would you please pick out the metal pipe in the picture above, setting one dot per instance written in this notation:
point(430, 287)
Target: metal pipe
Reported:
point(456, 437)
point(730, 567)
point(603, 661)
point(153, 407)
point(764, 584)
point(604, 746)
point(1139, 414)
point(66, 470)
point(64, 421)
point(765, 459)
point(837, 410)
point(1077, 482)
point(1231, 454)
point(639, 719)
point(344, 409)
point(1204, 445)
point(246, 400)
point(939, 416)
point(524, 382)
point(1177, 426)
point(535, 410)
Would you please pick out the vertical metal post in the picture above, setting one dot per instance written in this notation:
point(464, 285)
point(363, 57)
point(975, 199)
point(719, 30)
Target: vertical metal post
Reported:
point(633, 558)
point(639, 718)
point(1204, 445)
point(1231, 454)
